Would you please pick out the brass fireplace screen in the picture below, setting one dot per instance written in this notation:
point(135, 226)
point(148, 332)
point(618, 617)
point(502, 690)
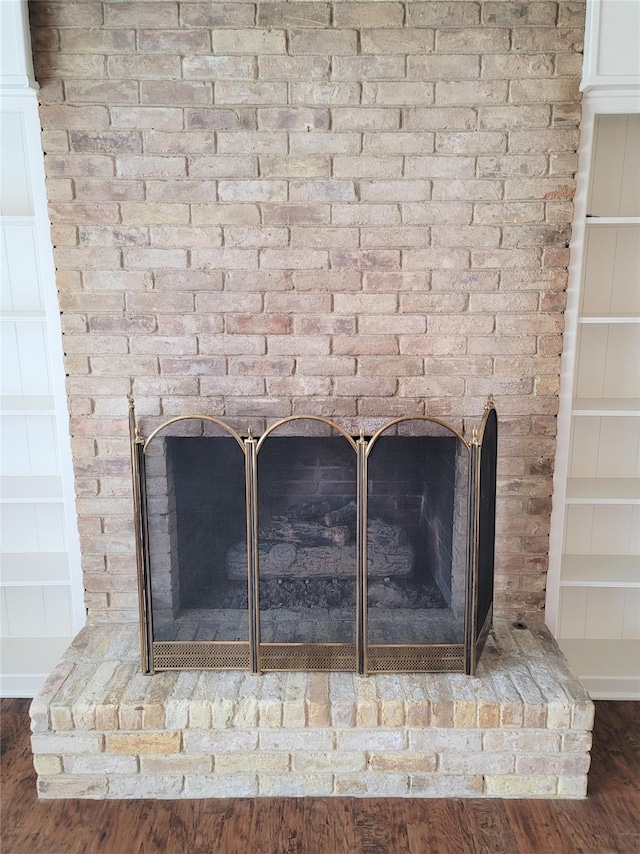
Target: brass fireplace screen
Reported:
point(309, 549)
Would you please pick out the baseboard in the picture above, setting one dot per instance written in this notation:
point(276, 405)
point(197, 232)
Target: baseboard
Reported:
point(21, 684)
point(616, 688)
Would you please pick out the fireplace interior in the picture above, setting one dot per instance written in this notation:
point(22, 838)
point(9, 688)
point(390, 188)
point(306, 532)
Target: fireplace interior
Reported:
point(307, 488)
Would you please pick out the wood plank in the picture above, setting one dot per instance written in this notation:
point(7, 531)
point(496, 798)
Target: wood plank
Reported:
point(586, 826)
point(277, 826)
point(380, 825)
point(615, 766)
point(329, 825)
point(433, 823)
point(488, 825)
point(536, 828)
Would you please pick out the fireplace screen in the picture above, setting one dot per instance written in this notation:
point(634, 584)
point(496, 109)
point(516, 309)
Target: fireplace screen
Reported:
point(309, 549)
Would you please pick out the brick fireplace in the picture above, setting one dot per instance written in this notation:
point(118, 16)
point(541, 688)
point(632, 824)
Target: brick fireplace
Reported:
point(354, 210)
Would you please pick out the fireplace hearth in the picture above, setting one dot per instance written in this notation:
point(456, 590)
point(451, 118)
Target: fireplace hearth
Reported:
point(310, 549)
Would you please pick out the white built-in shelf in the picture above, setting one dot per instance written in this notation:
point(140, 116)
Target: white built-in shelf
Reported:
point(609, 318)
point(603, 490)
point(34, 404)
point(600, 571)
point(30, 489)
point(619, 406)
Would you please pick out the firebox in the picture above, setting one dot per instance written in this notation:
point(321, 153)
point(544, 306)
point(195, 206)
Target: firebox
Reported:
point(308, 548)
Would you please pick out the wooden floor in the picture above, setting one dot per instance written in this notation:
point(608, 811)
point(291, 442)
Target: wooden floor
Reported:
point(608, 821)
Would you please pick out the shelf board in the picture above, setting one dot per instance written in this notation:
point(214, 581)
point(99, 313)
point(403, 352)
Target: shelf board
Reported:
point(43, 568)
point(30, 489)
point(27, 404)
point(591, 219)
point(600, 571)
point(22, 316)
point(17, 219)
point(606, 406)
point(603, 490)
point(603, 659)
point(609, 318)
point(4, 583)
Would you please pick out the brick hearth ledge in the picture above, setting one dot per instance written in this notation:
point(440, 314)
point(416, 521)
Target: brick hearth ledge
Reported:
point(520, 728)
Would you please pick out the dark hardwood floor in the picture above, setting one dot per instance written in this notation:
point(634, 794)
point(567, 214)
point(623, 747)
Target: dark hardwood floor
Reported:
point(607, 821)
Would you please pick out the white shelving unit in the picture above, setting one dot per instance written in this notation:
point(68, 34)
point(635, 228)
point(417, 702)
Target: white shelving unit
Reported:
point(41, 591)
point(593, 585)
point(593, 603)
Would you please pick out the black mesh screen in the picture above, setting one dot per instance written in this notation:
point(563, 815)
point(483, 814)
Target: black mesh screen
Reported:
point(197, 515)
point(487, 518)
point(307, 536)
point(413, 541)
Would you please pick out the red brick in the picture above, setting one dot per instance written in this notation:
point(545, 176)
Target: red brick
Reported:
point(439, 118)
point(287, 259)
point(292, 67)
point(298, 345)
point(264, 366)
point(384, 41)
point(323, 42)
point(366, 259)
point(67, 117)
point(232, 345)
point(157, 118)
point(397, 366)
point(251, 324)
point(101, 41)
point(365, 345)
point(137, 66)
point(183, 42)
point(224, 259)
point(292, 167)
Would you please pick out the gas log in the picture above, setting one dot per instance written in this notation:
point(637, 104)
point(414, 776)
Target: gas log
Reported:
point(324, 548)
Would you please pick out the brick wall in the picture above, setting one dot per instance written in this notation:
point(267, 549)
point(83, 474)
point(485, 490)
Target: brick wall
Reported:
point(353, 209)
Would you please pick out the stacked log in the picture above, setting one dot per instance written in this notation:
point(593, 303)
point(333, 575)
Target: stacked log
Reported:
point(298, 545)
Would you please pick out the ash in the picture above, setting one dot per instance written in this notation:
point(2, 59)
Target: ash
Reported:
point(291, 593)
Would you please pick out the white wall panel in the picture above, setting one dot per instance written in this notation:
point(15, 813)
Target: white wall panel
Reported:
point(33, 358)
point(57, 610)
point(631, 626)
point(4, 614)
point(25, 361)
point(577, 529)
point(612, 271)
point(14, 446)
point(20, 275)
point(28, 445)
point(33, 611)
point(602, 529)
point(26, 616)
point(605, 447)
point(50, 527)
point(607, 360)
point(16, 199)
point(600, 613)
point(43, 446)
point(615, 179)
point(605, 613)
point(32, 527)
point(573, 612)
